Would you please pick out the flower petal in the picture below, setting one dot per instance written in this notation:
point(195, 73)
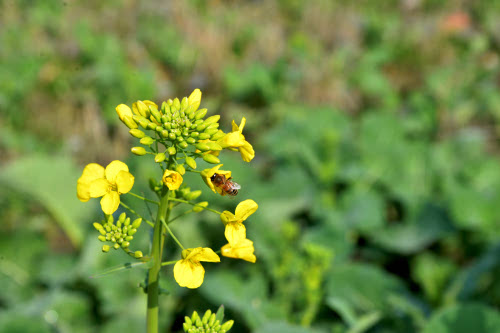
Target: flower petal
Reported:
point(113, 169)
point(245, 209)
point(242, 250)
point(91, 172)
point(233, 139)
point(247, 152)
point(124, 181)
point(98, 188)
point(189, 274)
point(235, 232)
point(227, 217)
point(194, 99)
point(110, 202)
point(123, 110)
point(172, 179)
point(203, 254)
point(82, 191)
point(208, 173)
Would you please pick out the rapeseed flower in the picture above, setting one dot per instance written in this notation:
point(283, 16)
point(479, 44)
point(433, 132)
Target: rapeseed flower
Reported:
point(236, 140)
point(207, 174)
point(172, 179)
point(235, 230)
point(107, 183)
point(188, 272)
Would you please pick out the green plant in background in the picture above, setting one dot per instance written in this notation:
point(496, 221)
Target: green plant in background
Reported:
point(179, 134)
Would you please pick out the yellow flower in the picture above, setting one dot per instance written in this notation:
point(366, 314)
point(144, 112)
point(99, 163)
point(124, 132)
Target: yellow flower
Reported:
point(125, 115)
point(236, 139)
point(195, 99)
point(172, 179)
point(188, 272)
point(235, 230)
point(242, 250)
point(107, 183)
point(207, 174)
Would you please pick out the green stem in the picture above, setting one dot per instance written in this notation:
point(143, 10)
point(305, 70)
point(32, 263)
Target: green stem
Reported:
point(171, 233)
point(156, 256)
point(169, 262)
point(195, 204)
point(142, 198)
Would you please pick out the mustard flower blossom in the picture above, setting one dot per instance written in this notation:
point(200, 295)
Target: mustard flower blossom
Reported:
point(188, 272)
point(207, 174)
point(235, 230)
point(242, 250)
point(172, 179)
point(236, 139)
point(107, 183)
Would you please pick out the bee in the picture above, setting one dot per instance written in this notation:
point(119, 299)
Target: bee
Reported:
point(227, 186)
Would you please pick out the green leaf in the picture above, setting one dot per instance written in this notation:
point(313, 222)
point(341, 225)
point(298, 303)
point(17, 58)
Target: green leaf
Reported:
point(464, 318)
point(52, 182)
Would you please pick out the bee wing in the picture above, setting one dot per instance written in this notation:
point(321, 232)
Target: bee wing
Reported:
point(236, 186)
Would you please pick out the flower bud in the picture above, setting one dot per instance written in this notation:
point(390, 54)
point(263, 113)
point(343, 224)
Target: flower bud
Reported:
point(151, 125)
point(129, 238)
point(147, 141)
point(138, 151)
point(165, 108)
point(201, 127)
point(180, 169)
point(191, 141)
point(116, 246)
point(204, 136)
point(214, 145)
point(194, 316)
point(183, 144)
point(203, 146)
point(212, 119)
point(177, 104)
point(155, 113)
point(199, 206)
point(171, 136)
point(180, 139)
point(211, 320)
point(217, 135)
point(184, 103)
point(193, 195)
point(159, 128)
point(211, 159)
point(191, 162)
point(207, 315)
point(195, 134)
point(171, 150)
point(137, 133)
point(210, 131)
point(170, 102)
point(105, 248)
point(186, 327)
point(131, 232)
point(143, 109)
point(212, 125)
point(102, 238)
point(125, 245)
point(138, 254)
point(195, 99)
point(144, 123)
point(164, 133)
point(200, 114)
point(227, 325)
point(129, 122)
point(160, 157)
point(136, 224)
point(98, 226)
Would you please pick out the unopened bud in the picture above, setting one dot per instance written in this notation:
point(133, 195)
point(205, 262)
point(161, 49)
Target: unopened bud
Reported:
point(138, 254)
point(160, 157)
point(184, 144)
point(98, 226)
point(138, 151)
point(147, 141)
point(136, 224)
point(204, 136)
point(193, 195)
point(184, 103)
point(214, 145)
point(143, 109)
point(171, 150)
point(137, 133)
point(191, 162)
point(129, 122)
point(177, 104)
point(191, 140)
point(211, 159)
point(200, 114)
point(171, 136)
point(116, 246)
point(212, 119)
point(180, 169)
point(105, 248)
point(210, 131)
point(125, 245)
point(202, 146)
point(199, 206)
point(164, 133)
point(201, 127)
point(227, 325)
point(207, 315)
point(102, 238)
point(131, 232)
point(217, 135)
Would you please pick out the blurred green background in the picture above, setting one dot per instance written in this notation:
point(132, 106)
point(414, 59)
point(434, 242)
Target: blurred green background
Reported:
point(375, 125)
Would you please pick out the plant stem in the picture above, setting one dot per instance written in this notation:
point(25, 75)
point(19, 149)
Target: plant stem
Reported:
point(195, 204)
point(156, 256)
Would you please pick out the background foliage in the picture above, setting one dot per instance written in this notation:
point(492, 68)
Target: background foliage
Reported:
point(377, 172)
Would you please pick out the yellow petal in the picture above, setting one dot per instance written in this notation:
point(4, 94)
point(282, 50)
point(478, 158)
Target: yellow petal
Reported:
point(195, 99)
point(123, 110)
point(172, 179)
point(189, 274)
point(242, 250)
point(99, 187)
point(124, 181)
point(227, 217)
point(233, 139)
point(235, 232)
point(247, 152)
point(82, 191)
point(245, 209)
point(208, 173)
point(203, 254)
point(91, 172)
point(110, 202)
point(113, 169)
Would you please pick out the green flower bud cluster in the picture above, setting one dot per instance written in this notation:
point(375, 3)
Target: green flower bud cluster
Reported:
point(120, 233)
point(209, 323)
point(178, 125)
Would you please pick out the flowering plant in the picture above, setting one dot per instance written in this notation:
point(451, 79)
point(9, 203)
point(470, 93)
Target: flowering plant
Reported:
point(175, 135)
